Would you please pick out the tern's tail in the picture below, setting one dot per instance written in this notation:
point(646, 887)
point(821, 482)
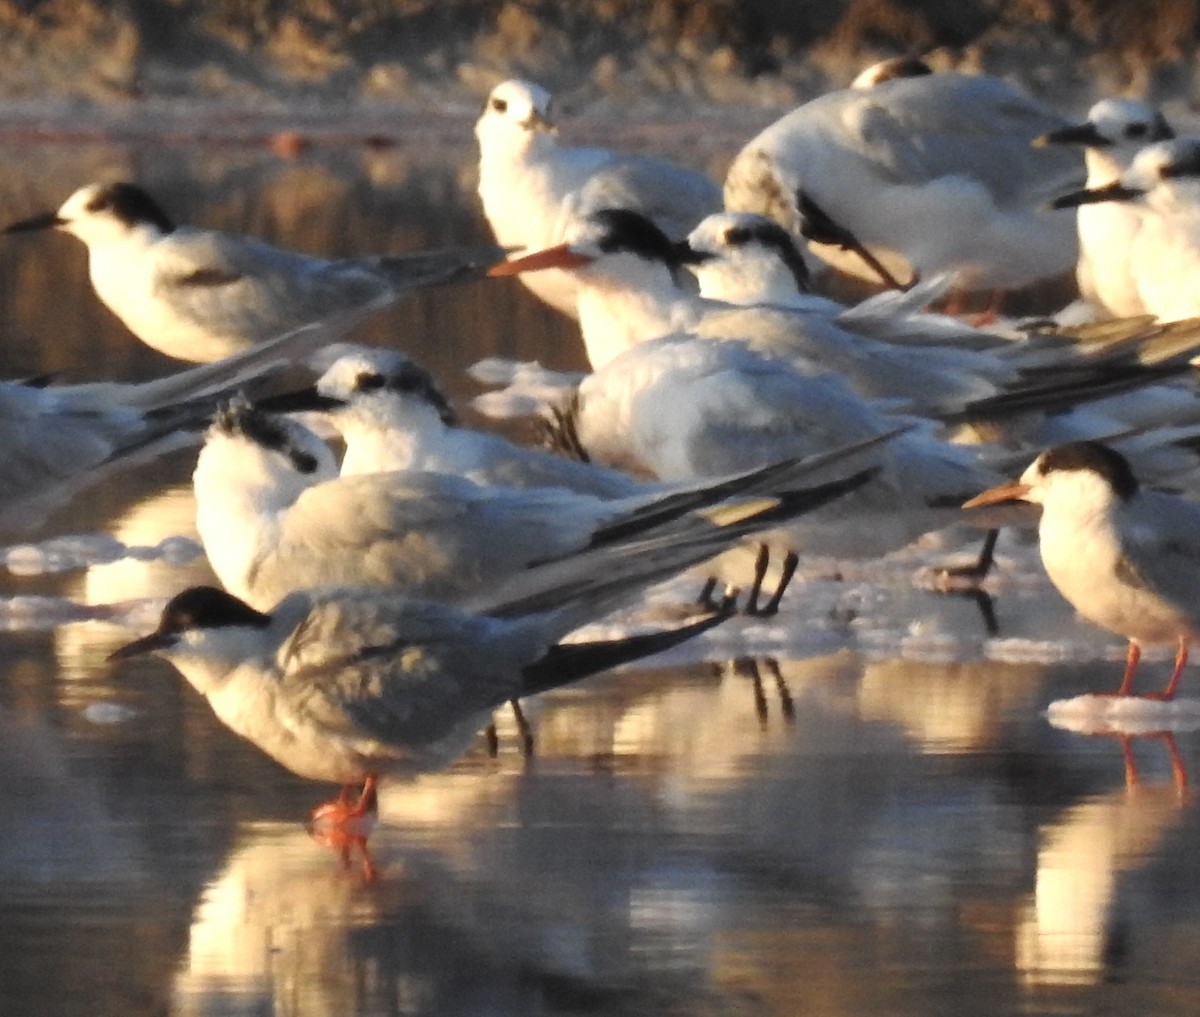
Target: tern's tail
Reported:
point(559, 596)
point(564, 663)
point(408, 273)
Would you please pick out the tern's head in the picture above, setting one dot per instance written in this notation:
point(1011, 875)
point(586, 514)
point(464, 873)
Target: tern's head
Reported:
point(609, 234)
point(514, 113)
point(206, 632)
point(1083, 476)
point(1172, 164)
point(889, 70)
point(745, 258)
point(101, 214)
point(262, 455)
point(1114, 124)
point(376, 380)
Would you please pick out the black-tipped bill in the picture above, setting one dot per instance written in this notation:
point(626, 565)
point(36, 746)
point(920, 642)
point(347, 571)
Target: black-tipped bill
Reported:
point(304, 400)
point(45, 221)
point(152, 643)
point(1095, 195)
point(1078, 134)
point(686, 254)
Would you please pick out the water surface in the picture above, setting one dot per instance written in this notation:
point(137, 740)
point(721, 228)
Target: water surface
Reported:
point(869, 814)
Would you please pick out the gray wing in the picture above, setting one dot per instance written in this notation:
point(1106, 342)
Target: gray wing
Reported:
point(1161, 547)
point(237, 286)
point(377, 666)
point(430, 535)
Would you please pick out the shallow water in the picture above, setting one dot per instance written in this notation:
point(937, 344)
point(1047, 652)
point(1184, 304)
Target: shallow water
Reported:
point(861, 808)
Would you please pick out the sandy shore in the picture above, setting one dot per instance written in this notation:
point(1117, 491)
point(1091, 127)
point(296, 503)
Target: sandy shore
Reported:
point(89, 65)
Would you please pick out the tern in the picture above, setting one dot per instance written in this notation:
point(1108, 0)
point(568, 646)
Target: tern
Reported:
point(199, 295)
point(1163, 180)
point(59, 437)
point(350, 684)
point(680, 408)
point(882, 348)
point(274, 517)
point(1124, 556)
point(936, 169)
point(392, 416)
point(531, 186)
point(1113, 133)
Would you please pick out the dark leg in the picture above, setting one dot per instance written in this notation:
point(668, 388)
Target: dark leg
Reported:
point(771, 607)
point(761, 560)
point(786, 704)
point(522, 727)
point(973, 574)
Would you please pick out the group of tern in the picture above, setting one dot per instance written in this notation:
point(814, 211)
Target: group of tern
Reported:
point(377, 607)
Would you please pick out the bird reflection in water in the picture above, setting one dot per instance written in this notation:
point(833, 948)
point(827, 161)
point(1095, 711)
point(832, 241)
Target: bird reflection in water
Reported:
point(1076, 927)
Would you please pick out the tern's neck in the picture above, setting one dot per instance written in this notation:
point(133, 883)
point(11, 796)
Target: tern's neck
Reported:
point(750, 284)
point(514, 147)
point(1105, 165)
point(616, 314)
point(392, 435)
point(240, 506)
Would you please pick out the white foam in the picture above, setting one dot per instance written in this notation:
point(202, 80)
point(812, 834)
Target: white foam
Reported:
point(108, 713)
point(1132, 715)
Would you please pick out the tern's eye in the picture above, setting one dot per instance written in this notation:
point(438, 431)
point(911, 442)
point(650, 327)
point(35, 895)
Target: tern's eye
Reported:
point(500, 105)
point(735, 236)
point(100, 202)
point(1135, 130)
point(368, 382)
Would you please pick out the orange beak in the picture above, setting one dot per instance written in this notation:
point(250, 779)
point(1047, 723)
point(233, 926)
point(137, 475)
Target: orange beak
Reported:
point(1010, 492)
point(552, 257)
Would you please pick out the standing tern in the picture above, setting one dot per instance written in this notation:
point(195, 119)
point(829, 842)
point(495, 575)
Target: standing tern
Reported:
point(1113, 133)
point(1163, 180)
point(271, 522)
point(936, 169)
point(531, 186)
point(200, 295)
point(350, 684)
point(1124, 556)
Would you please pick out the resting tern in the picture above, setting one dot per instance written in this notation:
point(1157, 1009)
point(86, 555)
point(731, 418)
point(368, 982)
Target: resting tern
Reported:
point(681, 408)
point(882, 347)
point(1124, 556)
point(1163, 180)
point(531, 186)
point(271, 522)
point(61, 436)
point(391, 415)
point(1113, 133)
point(350, 684)
point(936, 169)
point(200, 295)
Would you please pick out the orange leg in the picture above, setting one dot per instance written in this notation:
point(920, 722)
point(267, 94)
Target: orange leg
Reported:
point(1181, 658)
point(1178, 769)
point(342, 811)
point(1132, 656)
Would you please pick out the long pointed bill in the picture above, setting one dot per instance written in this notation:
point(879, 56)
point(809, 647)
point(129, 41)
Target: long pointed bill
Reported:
point(552, 257)
point(1079, 134)
point(1110, 192)
point(147, 644)
point(686, 254)
point(45, 221)
point(301, 401)
point(1004, 494)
